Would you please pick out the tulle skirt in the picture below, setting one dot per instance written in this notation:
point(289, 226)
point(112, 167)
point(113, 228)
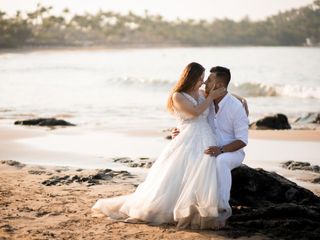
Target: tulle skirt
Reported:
point(180, 188)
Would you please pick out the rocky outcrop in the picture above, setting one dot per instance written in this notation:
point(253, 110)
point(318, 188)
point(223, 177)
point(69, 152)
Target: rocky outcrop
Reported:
point(48, 122)
point(94, 179)
point(265, 202)
point(278, 121)
point(140, 162)
point(13, 163)
point(295, 165)
point(309, 118)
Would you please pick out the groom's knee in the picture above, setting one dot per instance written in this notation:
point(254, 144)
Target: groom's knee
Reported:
point(221, 161)
point(228, 160)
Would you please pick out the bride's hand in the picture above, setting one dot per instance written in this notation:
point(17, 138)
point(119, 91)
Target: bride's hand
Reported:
point(216, 93)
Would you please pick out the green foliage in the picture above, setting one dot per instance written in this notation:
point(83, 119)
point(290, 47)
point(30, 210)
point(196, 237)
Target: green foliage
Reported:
point(41, 28)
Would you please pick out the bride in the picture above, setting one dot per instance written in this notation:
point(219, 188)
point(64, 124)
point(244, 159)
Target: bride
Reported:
point(181, 186)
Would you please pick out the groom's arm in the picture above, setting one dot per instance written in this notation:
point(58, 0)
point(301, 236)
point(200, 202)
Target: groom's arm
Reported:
point(243, 101)
point(231, 147)
point(240, 126)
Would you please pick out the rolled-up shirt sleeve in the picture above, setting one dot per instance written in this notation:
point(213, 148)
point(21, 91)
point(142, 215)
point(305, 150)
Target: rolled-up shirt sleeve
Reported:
point(241, 125)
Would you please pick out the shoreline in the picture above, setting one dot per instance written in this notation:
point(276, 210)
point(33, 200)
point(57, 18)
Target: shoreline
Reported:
point(26, 49)
point(71, 147)
point(14, 132)
point(286, 135)
point(32, 210)
point(111, 47)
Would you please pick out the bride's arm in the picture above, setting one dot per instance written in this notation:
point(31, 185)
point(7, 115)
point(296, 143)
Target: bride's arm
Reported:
point(244, 103)
point(181, 103)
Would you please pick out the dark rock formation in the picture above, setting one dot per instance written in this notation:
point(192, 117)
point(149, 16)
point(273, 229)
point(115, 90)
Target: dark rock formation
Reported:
point(13, 163)
point(305, 166)
point(316, 180)
point(7, 228)
point(101, 175)
point(48, 122)
point(265, 202)
point(140, 162)
point(168, 137)
point(37, 172)
point(295, 165)
point(309, 118)
point(278, 121)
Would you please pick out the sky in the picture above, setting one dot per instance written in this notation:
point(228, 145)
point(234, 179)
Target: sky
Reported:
point(169, 9)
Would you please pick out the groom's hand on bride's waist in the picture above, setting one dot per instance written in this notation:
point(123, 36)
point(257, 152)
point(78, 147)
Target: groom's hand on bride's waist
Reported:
point(213, 151)
point(174, 132)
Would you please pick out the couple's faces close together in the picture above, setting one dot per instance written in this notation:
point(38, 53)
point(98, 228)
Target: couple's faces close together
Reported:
point(210, 83)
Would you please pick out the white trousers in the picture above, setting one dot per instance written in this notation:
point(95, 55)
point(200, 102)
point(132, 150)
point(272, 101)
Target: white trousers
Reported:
point(225, 163)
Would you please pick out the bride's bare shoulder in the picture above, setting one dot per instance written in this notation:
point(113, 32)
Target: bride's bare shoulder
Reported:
point(177, 95)
point(178, 98)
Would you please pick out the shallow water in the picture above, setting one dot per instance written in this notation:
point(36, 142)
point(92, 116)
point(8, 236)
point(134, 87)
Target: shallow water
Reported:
point(127, 89)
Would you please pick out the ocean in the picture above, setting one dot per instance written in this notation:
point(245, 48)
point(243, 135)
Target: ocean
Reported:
point(128, 88)
point(117, 97)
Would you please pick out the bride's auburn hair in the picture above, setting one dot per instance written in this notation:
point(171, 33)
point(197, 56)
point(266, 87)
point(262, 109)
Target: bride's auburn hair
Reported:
point(187, 81)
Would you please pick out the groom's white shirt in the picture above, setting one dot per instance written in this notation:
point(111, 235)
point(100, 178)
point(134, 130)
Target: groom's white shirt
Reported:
point(230, 123)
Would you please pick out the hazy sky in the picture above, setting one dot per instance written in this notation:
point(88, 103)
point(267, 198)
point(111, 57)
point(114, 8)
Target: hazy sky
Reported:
point(170, 9)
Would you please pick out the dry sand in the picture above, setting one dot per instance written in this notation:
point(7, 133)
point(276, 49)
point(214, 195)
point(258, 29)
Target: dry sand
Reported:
point(31, 210)
point(288, 135)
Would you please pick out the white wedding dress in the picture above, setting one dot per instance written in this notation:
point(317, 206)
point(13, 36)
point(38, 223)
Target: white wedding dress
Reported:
point(181, 186)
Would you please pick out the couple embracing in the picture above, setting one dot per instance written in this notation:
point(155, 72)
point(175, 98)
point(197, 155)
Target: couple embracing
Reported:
point(189, 184)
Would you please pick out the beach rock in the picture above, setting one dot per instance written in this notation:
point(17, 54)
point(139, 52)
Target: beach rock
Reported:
point(13, 163)
point(257, 187)
point(62, 169)
point(309, 118)
point(278, 121)
point(142, 162)
point(316, 180)
point(168, 137)
point(41, 213)
point(268, 203)
point(8, 228)
point(295, 165)
point(94, 179)
point(48, 122)
point(106, 174)
point(123, 160)
point(36, 172)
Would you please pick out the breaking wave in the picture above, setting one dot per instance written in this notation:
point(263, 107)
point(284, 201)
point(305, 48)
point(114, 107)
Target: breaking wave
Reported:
point(247, 89)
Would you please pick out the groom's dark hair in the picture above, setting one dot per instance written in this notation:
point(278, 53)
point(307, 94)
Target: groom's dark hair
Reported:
point(222, 74)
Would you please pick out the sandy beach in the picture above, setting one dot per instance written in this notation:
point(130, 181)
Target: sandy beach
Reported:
point(84, 90)
point(31, 210)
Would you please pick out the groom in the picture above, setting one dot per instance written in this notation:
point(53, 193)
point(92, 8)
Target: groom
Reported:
point(229, 121)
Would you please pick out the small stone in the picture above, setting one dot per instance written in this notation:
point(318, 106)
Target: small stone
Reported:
point(13, 163)
point(316, 180)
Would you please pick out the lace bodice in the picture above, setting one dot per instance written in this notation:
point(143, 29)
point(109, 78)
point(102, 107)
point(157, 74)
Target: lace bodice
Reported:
point(183, 117)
